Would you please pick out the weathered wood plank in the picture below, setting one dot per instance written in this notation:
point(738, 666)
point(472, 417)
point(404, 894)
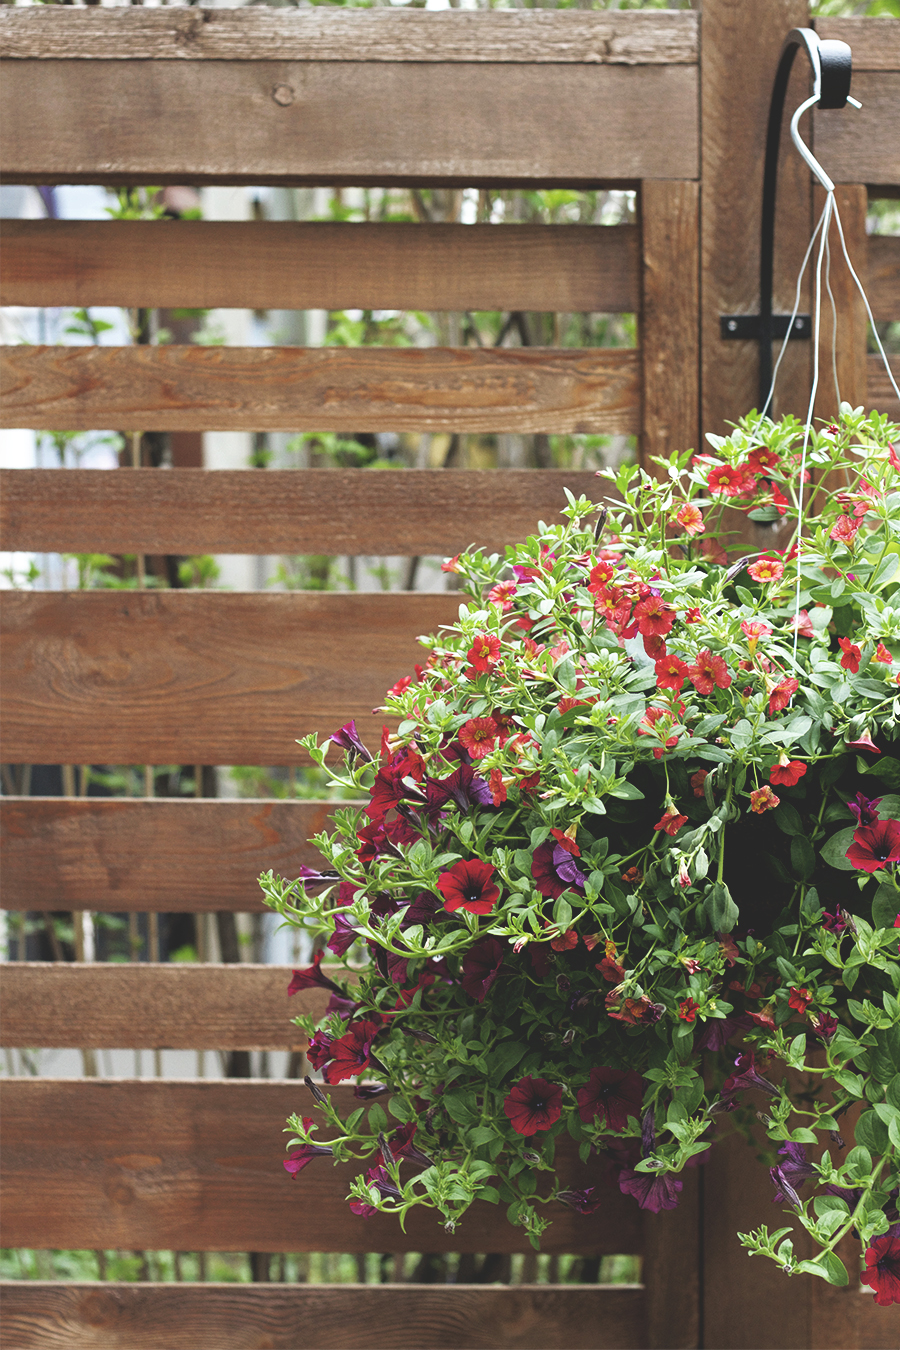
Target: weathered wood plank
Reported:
point(289, 265)
point(875, 43)
point(883, 286)
point(133, 1005)
point(196, 1166)
point(41, 1316)
point(848, 335)
point(673, 1261)
point(670, 317)
point(881, 394)
point(292, 122)
point(352, 389)
point(120, 854)
point(861, 145)
point(379, 35)
point(190, 677)
point(332, 511)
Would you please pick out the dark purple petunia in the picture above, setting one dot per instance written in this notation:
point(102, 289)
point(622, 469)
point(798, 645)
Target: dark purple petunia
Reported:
point(787, 1176)
point(343, 937)
point(718, 1031)
point(651, 1192)
point(397, 967)
point(875, 846)
point(343, 1007)
point(465, 787)
point(348, 739)
point(367, 1092)
point(864, 809)
point(747, 1076)
point(311, 977)
point(298, 1158)
point(480, 967)
point(402, 1146)
point(555, 870)
point(835, 923)
point(318, 1052)
point(612, 1095)
point(583, 1202)
point(377, 1177)
point(533, 1104)
point(424, 909)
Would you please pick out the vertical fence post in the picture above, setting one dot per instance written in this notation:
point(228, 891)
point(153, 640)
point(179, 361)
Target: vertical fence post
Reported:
point(852, 200)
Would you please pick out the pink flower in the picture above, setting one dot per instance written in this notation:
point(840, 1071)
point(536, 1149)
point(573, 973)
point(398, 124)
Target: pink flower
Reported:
point(782, 694)
point(844, 530)
point(690, 519)
point(766, 569)
point(883, 655)
point(763, 799)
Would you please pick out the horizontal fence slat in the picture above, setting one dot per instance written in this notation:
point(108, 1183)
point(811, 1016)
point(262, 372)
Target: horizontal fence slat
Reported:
point(139, 1006)
point(290, 265)
point(315, 35)
point(188, 677)
point(118, 855)
point(875, 42)
point(196, 1166)
point(44, 1316)
point(884, 277)
point(861, 145)
point(881, 394)
point(295, 122)
point(350, 389)
point(330, 511)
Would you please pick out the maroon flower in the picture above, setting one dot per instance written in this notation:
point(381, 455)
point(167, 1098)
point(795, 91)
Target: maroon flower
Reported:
point(865, 809)
point(348, 739)
point(469, 885)
point(367, 1092)
point(350, 1054)
point(746, 1076)
point(480, 967)
point(318, 1052)
point(464, 787)
point(883, 1269)
point(613, 1094)
point(388, 791)
point(583, 1202)
point(343, 937)
point(311, 977)
point(874, 846)
point(791, 1174)
point(298, 1158)
point(533, 1104)
point(377, 1177)
point(554, 869)
point(651, 1192)
point(402, 1146)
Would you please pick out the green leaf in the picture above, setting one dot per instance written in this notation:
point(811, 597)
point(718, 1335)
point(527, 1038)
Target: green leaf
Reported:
point(871, 1133)
point(504, 1058)
point(811, 905)
point(377, 1119)
point(885, 905)
point(788, 819)
point(835, 850)
point(884, 571)
point(803, 858)
point(893, 1091)
point(720, 910)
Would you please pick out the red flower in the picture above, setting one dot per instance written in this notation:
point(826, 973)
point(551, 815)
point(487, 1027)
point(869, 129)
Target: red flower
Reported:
point(761, 460)
point(611, 1094)
point(764, 1019)
point(565, 942)
point(763, 799)
point(850, 659)
point(688, 1010)
point(754, 630)
point(883, 655)
point(533, 1104)
point(766, 569)
point(497, 786)
point(480, 967)
point(713, 552)
point(782, 694)
point(874, 846)
point(690, 519)
point(478, 736)
point(883, 1269)
point(567, 841)
point(799, 999)
point(671, 821)
point(484, 652)
point(634, 876)
point(298, 1158)
point(400, 687)
point(787, 772)
point(803, 624)
point(724, 479)
point(671, 673)
point(350, 1054)
point(864, 741)
point(502, 594)
point(693, 615)
point(844, 530)
point(709, 671)
point(469, 885)
point(312, 977)
point(611, 970)
point(654, 616)
point(450, 564)
point(697, 781)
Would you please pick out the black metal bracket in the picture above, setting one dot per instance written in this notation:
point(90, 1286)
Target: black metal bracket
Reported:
point(831, 63)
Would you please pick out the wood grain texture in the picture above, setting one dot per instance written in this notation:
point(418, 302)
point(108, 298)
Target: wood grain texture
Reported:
point(883, 286)
point(196, 1166)
point(862, 145)
point(136, 1005)
point(332, 511)
point(875, 43)
point(672, 1271)
point(182, 677)
point(881, 394)
point(290, 265)
point(670, 317)
point(260, 35)
point(41, 1316)
point(219, 122)
point(846, 334)
point(353, 389)
point(151, 854)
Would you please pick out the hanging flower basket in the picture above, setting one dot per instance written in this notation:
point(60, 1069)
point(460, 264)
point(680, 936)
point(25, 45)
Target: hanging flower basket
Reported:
point(628, 870)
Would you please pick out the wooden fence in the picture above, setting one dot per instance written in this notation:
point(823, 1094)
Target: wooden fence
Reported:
point(521, 99)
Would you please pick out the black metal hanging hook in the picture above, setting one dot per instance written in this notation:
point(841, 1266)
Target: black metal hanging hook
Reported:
point(831, 64)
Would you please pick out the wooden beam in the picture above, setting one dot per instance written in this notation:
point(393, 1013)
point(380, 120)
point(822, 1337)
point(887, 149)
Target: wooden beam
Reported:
point(286, 265)
point(881, 394)
point(297, 121)
point(351, 389)
point(331, 511)
point(875, 43)
point(120, 854)
point(260, 35)
point(861, 145)
point(135, 1005)
point(196, 1166)
point(845, 332)
point(883, 286)
point(192, 677)
point(344, 1317)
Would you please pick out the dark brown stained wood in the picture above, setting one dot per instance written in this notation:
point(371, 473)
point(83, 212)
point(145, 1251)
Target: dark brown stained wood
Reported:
point(847, 338)
point(290, 265)
point(187, 677)
point(261, 35)
point(883, 287)
point(670, 317)
point(351, 389)
point(196, 1166)
point(671, 1271)
point(881, 394)
point(875, 43)
point(41, 1316)
point(862, 145)
point(331, 511)
point(120, 854)
point(134, 1005)
point(291, 122)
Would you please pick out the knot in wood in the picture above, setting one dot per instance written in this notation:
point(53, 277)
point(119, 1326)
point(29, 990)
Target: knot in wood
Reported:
point(283, 94)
